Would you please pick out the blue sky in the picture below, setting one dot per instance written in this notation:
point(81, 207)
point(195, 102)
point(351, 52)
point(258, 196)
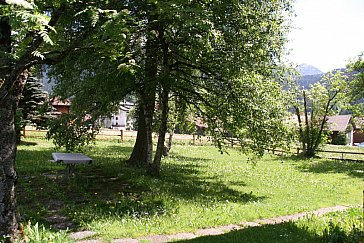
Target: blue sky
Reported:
point(327, 33)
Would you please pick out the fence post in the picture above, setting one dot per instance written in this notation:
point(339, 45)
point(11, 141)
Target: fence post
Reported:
point(122, 134)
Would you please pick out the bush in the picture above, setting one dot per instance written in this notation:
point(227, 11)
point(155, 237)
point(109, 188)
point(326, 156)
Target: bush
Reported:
point(344, 226)
point(334, 233)
point(71, 132)
point(340, 139)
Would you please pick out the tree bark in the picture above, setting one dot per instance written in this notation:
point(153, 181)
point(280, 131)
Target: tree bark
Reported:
point(8, 177)
point(302, 135)
point(168, 147)
point(154, 168)
point(138, 157)
point(307, 139)
point(148, 107)
point(10, 90)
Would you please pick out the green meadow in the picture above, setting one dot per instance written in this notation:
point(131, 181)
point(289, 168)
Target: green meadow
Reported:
point(198, 188)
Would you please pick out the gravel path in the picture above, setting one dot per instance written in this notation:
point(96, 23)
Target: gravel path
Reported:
point(80, 236)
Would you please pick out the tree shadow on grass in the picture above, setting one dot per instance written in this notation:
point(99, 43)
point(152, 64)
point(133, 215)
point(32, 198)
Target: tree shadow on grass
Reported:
point(116, 149)
point(188, 182)
point(321, 165)
point(28, 143)
point(109, 188)
point(285, 232)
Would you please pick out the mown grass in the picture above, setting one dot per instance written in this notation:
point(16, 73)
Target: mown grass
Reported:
point(199, 188)
point(334, 227)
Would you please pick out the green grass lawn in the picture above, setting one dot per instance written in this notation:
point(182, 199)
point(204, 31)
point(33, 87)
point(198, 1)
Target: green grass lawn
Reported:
point(199, 188)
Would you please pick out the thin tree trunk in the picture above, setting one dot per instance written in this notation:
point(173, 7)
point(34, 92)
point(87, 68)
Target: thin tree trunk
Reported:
point(308, 152)
point(170, 138)
point(328, 107)
point(168, 147)
point(154, 168)
point(302, 135)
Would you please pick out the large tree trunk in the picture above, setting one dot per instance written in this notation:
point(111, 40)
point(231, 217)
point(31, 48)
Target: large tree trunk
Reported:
point(10, 90)
point(148, 107)
point(148, 89)
point(8, 213)
point(138, 157)
point(8, 176)
point(154, 168)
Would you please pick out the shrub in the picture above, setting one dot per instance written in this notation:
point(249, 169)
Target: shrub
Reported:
point(344, 226)
point(340, 139)
point(72, 132)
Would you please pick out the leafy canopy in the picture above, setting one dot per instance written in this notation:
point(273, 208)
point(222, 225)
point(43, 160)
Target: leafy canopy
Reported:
point(220, 57)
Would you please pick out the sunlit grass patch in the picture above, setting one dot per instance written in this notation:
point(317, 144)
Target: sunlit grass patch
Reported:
point(334, 227)
point(198, 188)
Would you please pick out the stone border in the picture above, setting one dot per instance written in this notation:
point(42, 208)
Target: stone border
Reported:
point(211, 231)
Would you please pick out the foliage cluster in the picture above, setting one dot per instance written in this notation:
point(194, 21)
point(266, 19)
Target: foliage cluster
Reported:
point(340, 139)
point(214, 57)
point(324, 98)
point(72, 132)
point(33, 107)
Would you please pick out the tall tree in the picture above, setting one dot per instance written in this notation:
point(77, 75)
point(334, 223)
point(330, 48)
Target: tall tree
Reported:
point(209, 56)
point(315, 105)
point(221, 57)
point(31, 34)
point(32, 106)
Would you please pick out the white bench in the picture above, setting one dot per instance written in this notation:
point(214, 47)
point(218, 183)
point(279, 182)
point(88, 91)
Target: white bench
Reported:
point(70, 160)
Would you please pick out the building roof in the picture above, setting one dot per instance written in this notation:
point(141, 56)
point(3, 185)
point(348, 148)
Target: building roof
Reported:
point(56, 101)
point(338, 123)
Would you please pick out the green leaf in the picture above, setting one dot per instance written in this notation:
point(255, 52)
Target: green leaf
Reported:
point(21, 3)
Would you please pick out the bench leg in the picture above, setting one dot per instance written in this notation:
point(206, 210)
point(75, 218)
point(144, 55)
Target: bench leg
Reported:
point(70, 168)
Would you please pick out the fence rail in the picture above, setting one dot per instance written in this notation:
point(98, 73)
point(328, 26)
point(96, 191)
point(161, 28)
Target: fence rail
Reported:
point(105, 134)
point(349, 154)
point(123, 135)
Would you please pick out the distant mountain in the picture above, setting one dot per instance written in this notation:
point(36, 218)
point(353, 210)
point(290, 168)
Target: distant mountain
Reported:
point(314, 75)
point(306, 80)
point(306, 69)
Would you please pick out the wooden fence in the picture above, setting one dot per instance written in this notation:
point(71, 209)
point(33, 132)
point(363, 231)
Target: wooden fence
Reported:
point(106, 134)
point(129, 135)
point(342, 155)
point(102, 135)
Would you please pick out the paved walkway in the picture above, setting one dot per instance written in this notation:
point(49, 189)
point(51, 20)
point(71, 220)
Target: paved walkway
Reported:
point(80, 236)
